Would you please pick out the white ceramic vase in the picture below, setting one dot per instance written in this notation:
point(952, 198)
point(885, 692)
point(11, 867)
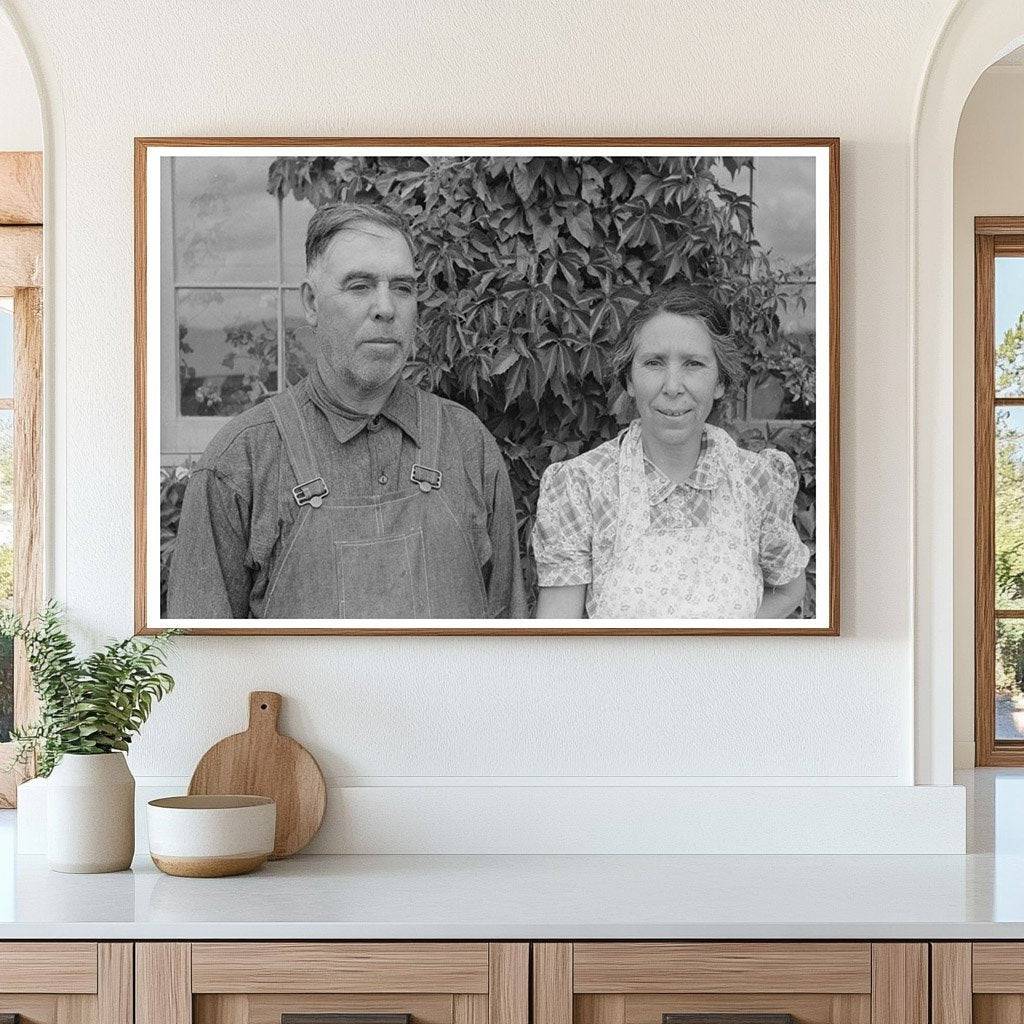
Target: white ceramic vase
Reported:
point(90, 814)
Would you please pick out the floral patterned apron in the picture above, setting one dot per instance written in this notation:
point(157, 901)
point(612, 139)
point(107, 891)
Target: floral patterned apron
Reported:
point(703, 572)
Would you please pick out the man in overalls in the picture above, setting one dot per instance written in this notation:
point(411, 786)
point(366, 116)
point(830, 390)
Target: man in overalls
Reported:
point(352, 495)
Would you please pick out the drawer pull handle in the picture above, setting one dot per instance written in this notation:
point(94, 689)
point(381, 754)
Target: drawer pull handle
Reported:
point(728, 1018)
point(342, 1018)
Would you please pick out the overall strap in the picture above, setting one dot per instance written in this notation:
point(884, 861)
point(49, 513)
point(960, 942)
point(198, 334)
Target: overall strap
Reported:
point(311, 489)
point(426, 472)
point(430, 433)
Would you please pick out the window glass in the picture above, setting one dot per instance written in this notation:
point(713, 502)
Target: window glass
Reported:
point(227, 349)
point(783, 216)
point(1009, 327)
point(796, 317)
point(1009, 679)
point(298, 338)
point(225, 221)
point(6, 348)
point(1009, 508)
point(294, 221)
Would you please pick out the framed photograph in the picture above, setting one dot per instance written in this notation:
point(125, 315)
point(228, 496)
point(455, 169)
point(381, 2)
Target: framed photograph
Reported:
point(487, 386)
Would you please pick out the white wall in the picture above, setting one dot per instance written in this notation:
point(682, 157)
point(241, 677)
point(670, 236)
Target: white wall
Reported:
point(444, 713)
point(988, 181)
point(21, 125)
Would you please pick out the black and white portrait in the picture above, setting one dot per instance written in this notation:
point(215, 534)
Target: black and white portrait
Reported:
point(432, 388)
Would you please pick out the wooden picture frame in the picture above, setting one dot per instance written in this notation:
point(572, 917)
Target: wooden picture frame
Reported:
point(157, 262)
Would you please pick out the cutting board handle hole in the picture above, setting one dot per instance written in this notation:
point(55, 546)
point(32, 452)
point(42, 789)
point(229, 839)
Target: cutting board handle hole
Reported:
point(263, 707)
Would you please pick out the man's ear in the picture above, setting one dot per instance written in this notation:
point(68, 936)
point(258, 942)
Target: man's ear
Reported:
point(308, 295)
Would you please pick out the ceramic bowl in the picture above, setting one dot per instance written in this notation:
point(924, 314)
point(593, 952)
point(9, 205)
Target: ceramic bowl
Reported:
point(211, 836)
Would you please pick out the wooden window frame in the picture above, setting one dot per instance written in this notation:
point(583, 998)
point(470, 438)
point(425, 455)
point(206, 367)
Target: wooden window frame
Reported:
point(21, 270)
point(993, 236)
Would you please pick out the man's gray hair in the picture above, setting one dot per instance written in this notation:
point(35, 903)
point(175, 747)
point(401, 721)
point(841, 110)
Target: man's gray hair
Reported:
point(333, 218)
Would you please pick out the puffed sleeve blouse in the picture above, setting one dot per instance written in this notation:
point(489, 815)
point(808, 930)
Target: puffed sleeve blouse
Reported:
point(577, 509)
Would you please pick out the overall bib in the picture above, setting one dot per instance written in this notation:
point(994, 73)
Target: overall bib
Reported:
point(703, 572)
point(398, 555)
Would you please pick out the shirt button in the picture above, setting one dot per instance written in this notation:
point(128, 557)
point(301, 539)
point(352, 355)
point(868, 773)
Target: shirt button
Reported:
point(382, 479)
point(374, 425)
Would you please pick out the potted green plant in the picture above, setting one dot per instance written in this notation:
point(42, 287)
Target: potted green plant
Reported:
point(89, 709)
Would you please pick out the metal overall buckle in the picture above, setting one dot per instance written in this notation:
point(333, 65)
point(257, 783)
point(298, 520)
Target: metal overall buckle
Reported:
point(428, 479)
point(312, 492)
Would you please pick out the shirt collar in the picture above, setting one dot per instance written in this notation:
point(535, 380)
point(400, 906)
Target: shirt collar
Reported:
point(400, 408)
point(705, 475)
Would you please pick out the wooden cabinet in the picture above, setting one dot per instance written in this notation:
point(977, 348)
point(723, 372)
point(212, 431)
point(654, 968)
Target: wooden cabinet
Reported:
point(66, 982)
point(259, 982)
point(815, 982)
point(981, 982)
point(494, 983)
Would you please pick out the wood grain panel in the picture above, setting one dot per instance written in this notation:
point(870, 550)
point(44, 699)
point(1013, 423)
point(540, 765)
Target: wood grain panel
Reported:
point(552, 983)
point(223, 1009)
point(21, 258)
point(76, 1009)
point(11, 775)
point(951, 982)
point(899, 990)
point(48, 967)
point(998, 225)
point(339, 967)
point(998, 967)
point(850, 1009)
point(807, 1009)
point(140, 387)
point(115, 983)
point(267, 1009)
point(163, 983)
point(469, 1009)
point(634, 967)
point(37, 1009)
point(21, 188)
point(998, 1009)
point(508, 990)
point(599, 1009)
point(984, 502)
point(28, 490)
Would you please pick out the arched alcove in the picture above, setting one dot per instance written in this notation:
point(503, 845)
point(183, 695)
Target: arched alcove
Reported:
point(21, 122)
point(975, 35)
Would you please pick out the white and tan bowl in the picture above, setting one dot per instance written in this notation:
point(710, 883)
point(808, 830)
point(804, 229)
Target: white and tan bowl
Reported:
point(211, 836)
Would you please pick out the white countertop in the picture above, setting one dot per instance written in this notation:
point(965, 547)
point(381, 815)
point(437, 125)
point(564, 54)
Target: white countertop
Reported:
point(532, 897)
point(977, 896)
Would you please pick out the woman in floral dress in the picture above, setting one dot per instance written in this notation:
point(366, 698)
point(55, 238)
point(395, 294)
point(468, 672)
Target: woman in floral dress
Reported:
point(671, 519)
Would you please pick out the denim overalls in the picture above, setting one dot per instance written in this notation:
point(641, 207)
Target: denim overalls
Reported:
point(398, 555)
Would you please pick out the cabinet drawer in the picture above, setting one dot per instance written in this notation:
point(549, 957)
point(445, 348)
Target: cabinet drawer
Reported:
point(981, 982)
point(66, 982)
point(635, 967)
point(48, 967)
point(753, 982)
point(340, 967)
point(261, 982)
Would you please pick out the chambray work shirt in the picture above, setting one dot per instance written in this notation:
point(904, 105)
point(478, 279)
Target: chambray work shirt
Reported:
point(577, 510)
point(239, 510)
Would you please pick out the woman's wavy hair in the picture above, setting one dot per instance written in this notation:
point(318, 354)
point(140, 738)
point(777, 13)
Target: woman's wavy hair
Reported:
point(695, 300)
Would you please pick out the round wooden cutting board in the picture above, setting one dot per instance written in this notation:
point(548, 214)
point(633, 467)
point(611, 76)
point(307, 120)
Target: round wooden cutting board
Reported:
point(262, 762)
